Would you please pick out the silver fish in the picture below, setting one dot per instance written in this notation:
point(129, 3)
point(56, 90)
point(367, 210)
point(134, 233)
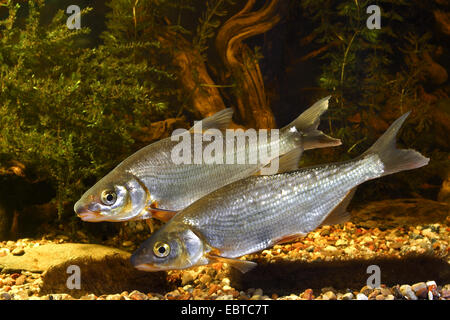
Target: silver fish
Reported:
point(260, 211)
point(148, 184)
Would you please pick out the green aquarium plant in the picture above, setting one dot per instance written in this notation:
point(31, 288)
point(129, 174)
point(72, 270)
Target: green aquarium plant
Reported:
point(69, 112)
point(377, 74)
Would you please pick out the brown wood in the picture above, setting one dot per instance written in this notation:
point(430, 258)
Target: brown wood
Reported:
point(251, 99)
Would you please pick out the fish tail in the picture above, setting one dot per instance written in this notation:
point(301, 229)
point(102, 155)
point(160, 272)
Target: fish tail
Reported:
point(396, 160)
point(307, 124)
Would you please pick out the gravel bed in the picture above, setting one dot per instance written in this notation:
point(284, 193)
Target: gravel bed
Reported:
point(327, 243)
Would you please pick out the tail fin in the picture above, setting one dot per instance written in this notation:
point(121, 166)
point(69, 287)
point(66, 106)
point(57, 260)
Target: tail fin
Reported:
point(307, 124)
point(396, 160)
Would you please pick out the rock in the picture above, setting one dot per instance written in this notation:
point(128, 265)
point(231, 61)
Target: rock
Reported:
point(350, 250)
point(420, 289)
point(258, 292)
point(136, 295)
point(330, 249)
point(103, 270)
point(407, 292)
point(445, 292)
point(308, 294)
point(432, 290)
point(5, 296)
point(361, 296)
point(341, 242)
point(139, 227)
point(229, 297)
point(348, 296)
point(374, 294)
point(21, 280)
point(225, 281)
point(366, 290)
point(18, 251)
point(205, 279)
point(127, 243)
point(188, 276)
point(429, 234)
point(20, 295)
point(329, 295)
point(41, 258)
point(385, 291)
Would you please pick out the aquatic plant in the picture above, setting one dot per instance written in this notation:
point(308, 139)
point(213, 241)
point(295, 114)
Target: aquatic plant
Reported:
point(67, 112)
point(378, 74)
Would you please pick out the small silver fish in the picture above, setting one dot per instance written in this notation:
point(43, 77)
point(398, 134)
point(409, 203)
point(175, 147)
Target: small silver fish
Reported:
point(148, 184)
point(260, 211)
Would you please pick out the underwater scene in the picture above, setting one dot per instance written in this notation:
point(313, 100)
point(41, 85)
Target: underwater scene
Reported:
point(224, 150)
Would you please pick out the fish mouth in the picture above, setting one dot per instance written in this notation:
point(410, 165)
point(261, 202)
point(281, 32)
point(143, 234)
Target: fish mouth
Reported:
point(90, 216)
point(147, 267)
point(87, 215)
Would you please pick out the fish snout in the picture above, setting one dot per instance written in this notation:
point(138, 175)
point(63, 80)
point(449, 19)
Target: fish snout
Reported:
point(140, 260)
point(85, 213)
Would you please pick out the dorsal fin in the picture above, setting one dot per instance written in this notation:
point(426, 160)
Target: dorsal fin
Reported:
point(290, 161)
point(287, 162)
point(220, 120)
point(339, 214)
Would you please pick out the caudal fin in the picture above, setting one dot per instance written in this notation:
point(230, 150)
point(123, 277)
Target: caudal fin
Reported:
point(307, 124)
point(396, 160)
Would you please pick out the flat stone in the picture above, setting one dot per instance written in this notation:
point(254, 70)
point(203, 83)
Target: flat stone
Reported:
point(41, 258)
point(101, 270)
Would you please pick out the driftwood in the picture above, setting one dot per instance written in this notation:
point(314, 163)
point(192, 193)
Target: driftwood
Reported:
point(253, 108)
point(252, 101)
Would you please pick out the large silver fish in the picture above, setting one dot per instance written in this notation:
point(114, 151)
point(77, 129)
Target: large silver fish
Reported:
point(259, 211)
point(148, 184)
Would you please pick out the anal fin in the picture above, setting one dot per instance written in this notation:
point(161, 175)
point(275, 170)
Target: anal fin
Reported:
point(340, 214)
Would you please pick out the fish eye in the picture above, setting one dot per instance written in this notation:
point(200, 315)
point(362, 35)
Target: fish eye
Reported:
point(161, 249)
point(108, 197)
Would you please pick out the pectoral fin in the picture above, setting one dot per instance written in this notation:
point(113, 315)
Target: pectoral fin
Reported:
point(162, 214)
point(242, 265)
